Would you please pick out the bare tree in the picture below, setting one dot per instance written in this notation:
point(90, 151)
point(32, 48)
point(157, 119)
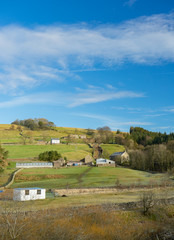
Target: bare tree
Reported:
point(148, 201)
point(13, 219)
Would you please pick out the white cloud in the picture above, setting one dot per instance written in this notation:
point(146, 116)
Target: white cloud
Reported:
point(62, 49)
point(68, 99)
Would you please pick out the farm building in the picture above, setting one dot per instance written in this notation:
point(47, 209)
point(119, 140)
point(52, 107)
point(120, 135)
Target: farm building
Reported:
point(59, 163)
point(55, 140)
point(35, 165)
point(120, 157)
point(26, 194)
point(74, 163)
point(104, 162)
point(88, 160)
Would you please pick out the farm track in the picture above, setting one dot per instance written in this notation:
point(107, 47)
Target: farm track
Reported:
point(80, 176)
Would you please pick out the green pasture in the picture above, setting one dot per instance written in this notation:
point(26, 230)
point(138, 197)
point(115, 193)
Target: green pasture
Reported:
point(72, 152)
point(111, 148)
point(5, 175)
point(8, 135)
point(78, 177)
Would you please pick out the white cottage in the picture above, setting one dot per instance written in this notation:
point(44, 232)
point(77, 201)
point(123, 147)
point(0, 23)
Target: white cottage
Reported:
point(26, 194)
point(55, 140)
point(105, 162)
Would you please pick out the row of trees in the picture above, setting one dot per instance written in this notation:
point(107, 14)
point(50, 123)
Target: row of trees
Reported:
point(152, 158)
point(145, 137)
point(35, 124)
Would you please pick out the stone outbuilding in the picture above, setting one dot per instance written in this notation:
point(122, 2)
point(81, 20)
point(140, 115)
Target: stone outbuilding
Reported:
point(59, 163)
point(88, 160)
point(120, 157)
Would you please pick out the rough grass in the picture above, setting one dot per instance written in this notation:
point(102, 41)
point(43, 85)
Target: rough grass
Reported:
point(96, 177)
point(12, 136)
point(91, 222)
point(72, 152)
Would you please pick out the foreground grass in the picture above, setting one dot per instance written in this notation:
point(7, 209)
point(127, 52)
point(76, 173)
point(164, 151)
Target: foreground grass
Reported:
point(96, 177)
point(91, 222)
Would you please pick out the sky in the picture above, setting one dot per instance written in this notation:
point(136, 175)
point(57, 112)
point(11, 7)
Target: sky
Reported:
point(88, 64)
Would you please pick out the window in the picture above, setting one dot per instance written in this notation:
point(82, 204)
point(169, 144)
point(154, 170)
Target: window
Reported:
point(26, 192)
point(38, 191)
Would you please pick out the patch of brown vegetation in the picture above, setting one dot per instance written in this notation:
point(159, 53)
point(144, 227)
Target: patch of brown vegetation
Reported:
point(21, 177)
point(92, 223)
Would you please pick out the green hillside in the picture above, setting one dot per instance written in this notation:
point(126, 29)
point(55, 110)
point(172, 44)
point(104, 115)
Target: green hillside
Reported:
point(83, 177)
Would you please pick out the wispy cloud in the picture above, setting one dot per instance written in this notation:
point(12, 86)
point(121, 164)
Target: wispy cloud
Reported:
point(113, 122)
point(130, 3)
point(70, 99)
point(30, 56)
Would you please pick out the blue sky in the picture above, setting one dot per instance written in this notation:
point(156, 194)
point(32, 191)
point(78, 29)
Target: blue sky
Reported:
point(88, 63)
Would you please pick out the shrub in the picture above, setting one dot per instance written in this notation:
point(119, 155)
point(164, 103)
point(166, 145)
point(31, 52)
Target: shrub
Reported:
point(49, 156)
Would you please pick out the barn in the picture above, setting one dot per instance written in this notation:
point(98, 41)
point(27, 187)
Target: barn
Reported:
point(26, 194)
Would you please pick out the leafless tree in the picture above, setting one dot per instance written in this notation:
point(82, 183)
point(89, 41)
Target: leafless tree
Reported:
point(12, 219)
point(148, 201)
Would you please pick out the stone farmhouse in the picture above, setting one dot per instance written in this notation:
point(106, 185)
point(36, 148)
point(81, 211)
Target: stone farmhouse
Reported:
point(120, 157)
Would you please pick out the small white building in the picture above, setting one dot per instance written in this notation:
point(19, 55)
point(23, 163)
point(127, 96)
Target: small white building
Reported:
point(55, 140)
point(34, 165)
point(26, 194)
point(104, 162)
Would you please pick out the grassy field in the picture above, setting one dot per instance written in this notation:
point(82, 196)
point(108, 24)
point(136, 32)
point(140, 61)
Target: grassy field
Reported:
point(77, 177)
point(72, 152)
point(13, 136)
point(111, 148)
point(4, 177)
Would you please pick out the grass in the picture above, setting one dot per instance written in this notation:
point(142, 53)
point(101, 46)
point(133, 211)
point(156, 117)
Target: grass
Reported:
point(96, 177)
point(72, 152)
point(13, 136)
point(4, 176)
point(111, 148)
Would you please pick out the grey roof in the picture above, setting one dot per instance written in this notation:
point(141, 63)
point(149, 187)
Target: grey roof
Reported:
point(116, 154)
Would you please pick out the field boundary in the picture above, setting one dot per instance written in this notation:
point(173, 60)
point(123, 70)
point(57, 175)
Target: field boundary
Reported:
point(12, 178)
point(85, 191)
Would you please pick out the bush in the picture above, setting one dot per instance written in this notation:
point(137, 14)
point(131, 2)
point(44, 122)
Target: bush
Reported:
point(49, 156)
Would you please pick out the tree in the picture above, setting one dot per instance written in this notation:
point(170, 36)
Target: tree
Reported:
point(27, 135)
point(13, 219)
point(3, 157)
point(148, 201)
point(49, 156)
point(104, 135)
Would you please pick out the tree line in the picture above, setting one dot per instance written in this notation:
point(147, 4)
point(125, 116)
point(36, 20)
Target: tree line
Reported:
point(145, 137)
point(35, 124)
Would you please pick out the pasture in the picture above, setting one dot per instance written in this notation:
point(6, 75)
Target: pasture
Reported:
point(72, 152)
point(111, 148)
point(75, 177)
